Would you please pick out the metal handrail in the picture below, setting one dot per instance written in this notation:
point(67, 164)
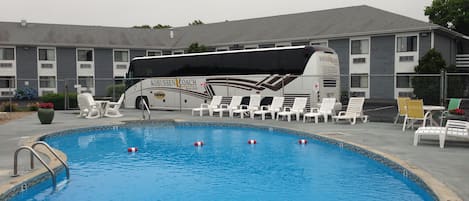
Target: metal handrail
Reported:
point(67, 169)
point(147, 108)
point(33, 153)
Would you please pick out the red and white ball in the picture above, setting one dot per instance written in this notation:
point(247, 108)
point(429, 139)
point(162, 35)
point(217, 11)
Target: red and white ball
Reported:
point(199, 143)
point(132, 149)
point(252, 141)
point(302, 141)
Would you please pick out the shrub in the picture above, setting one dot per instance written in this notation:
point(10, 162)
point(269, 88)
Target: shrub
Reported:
point(59, 100)
point(26, 93)
point(33, 106)
point(7, 107)
point(118, 90)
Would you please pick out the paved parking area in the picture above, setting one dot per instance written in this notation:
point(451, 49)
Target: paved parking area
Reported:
point(449, 165)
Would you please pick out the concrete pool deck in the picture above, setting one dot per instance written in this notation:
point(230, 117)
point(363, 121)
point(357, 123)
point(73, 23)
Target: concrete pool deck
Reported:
point(450, 166)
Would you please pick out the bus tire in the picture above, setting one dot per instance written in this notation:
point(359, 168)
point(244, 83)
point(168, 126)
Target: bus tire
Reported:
point(139, 103)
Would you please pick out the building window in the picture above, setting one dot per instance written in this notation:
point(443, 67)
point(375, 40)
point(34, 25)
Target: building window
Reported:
point(403, 81)
point(119, 80)
point(359, 60)
point(249, 47)
point(85, 55)
point(282, 44)
point(178, 52)
point(7, 53)
point(46, 54)
point(321, 43)
point(47, 81)
point(359, 80)
point(360, 46)
point(7, 82)
point(406, 58)
point(221, 49)
point(152, 53)
point(407, 44)
point(121, 56)
point(86, 81)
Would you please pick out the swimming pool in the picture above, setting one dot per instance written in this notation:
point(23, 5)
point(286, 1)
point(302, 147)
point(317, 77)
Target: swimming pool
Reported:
point(168, 166)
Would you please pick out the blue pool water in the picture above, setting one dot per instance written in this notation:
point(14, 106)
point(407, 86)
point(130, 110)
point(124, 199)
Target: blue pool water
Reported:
point(167, 166)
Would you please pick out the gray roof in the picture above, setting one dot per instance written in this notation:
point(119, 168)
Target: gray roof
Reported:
point(325, 24)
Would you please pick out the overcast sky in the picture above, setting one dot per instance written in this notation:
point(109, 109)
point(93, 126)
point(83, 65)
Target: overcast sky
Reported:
point(126, 13)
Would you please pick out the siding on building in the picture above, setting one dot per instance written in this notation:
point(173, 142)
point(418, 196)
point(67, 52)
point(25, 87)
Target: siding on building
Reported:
point(424, 43)
point(382, 67)
point(66, 69)
point(103, 67)
point(341, 47)
point(446, 47)
point(26, 66)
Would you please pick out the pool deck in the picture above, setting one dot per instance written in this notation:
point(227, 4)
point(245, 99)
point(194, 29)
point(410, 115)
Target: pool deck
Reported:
point(450, 165)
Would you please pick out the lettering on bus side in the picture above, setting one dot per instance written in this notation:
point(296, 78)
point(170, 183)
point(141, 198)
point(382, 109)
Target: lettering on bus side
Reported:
point(188, 84)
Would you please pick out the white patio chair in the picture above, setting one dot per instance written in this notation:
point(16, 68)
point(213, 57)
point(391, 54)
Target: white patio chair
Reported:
point(234, 104)
point(453, 128)
point(272, 109)
point(326, 109)
point(297, 109)
point(254, 104)
point(112, 108)
point(354, 111)
point(215, 103)
point(88, 108)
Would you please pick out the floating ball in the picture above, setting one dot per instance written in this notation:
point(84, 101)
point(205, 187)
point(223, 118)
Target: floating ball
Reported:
point(198, 143)
point(302, 141)
point(252, 141)
point(132, 149)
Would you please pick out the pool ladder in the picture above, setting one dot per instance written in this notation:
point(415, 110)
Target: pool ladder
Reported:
point(35, 154)
point(145, 108)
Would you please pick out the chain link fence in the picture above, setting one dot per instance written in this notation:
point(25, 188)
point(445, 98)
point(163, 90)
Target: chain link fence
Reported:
point(436, 89)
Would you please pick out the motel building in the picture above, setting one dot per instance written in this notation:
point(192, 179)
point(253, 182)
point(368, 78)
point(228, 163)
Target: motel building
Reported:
point(377, 49)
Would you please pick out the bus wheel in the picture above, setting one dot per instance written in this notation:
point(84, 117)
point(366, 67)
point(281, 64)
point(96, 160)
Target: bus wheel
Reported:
point(139, 102)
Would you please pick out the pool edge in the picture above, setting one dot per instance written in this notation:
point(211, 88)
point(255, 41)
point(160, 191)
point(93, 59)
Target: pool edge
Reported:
point(434, 187)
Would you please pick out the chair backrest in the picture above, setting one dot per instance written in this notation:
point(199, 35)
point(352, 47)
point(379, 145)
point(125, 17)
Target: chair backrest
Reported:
point(355, 106)
point(277, 103)
point(454, 103)
point(299, 103)
point(457, 128)
point(216, 100)
point(83, 100)
point(255, 101)
point(415, 109)
point(121, 99)
point(327, 105)
point(402, 104)
point(235, 101)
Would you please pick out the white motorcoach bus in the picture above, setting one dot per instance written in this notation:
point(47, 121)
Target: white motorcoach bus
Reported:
point(185, 81)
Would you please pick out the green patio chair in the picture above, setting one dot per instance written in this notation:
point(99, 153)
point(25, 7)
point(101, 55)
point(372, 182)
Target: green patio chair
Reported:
point(453, 104)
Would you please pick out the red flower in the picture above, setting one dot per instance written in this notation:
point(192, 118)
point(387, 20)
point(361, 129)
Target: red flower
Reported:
point(457, 111)
point(46, 105)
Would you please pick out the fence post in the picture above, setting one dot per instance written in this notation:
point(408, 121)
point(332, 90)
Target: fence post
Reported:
point(442, 86)
point(11, 93)
point(66, 99)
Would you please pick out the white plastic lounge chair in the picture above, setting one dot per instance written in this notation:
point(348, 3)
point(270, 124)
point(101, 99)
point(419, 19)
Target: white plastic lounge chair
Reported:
point(354, 111)
point(453, 128)
point(215, 103)
point(326, 109)
point(272, 109)
point(112, 108)
point(234, 104)
point(88, 108)
point(297, 109)
point(254, 104)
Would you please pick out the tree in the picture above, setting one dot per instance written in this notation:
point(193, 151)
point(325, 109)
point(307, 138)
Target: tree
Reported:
point(160, 26)
point(195, 48)
point(428, 87)
point(145, 26)
point(196, 22)
point(452, 14)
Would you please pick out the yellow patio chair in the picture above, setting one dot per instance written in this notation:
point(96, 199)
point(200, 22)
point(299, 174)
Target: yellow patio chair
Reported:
point(401, 107)
point(415, 113)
